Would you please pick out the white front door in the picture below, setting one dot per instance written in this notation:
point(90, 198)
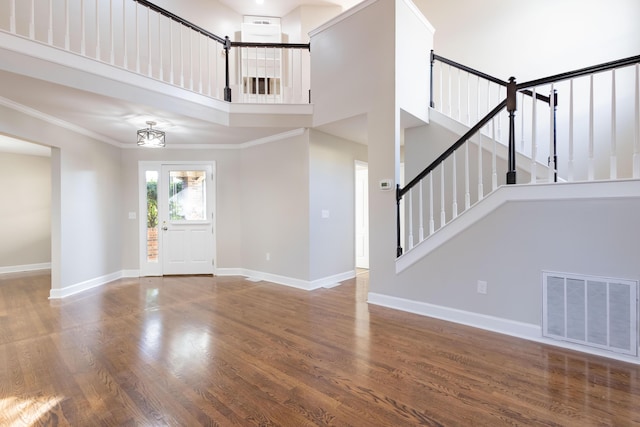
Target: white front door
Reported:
point(185, 218)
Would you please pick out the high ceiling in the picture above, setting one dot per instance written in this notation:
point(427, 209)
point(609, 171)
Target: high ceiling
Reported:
point(280, 7)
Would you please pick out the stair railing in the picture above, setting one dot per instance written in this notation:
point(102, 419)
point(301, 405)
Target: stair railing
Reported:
point(446, 183)
point(139, 36)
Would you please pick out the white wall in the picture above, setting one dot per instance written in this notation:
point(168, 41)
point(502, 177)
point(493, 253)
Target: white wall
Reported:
point(332, 189)
point(274, 197)
point(530, 40)
point(25, 215)
point(86, 200)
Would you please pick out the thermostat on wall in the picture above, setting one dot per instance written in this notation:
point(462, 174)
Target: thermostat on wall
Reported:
point(386, 184)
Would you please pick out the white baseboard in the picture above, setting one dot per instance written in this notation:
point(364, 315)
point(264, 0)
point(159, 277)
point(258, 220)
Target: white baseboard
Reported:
point(512, 328)
point(130, 273)
point(84, 286)
point(23, 268)
point(256, 276)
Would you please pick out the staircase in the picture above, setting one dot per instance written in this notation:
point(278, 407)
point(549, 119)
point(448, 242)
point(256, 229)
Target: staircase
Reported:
point(579, 126)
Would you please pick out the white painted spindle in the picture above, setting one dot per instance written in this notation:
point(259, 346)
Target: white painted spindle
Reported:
point(112, 53)
point(494, 157)
point(150, 62)
point(410, 245)
point(171, 61)
point(190, 60)
point(181, 56)
point(420, 213)
point(534, 136)
point(50, 32)
point(480, 177)
point(125, 58)
point(468, 99)
point(522, 122)
point(591, 166)
point(570, 165)
point(613, 165)
point(97, 22)
point(443, 216)
point(200, 57)
point(454, 174)
point(32, 21)
point(467, 185)
point(160, 49)
point(449, 96)
point(67, 37)
point(208, 70)
point(459, 95)
point(136, 29)
point(12, 16)
point(83, 35)
point(432, 223)
point(441, 83)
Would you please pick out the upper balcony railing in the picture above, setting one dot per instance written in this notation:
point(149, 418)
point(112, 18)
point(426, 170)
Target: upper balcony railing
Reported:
point(141, 37)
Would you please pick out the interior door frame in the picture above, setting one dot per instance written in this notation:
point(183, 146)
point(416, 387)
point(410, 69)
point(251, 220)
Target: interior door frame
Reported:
point(147, 268)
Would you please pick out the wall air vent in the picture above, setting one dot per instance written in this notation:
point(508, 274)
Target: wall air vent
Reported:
point(593, 311)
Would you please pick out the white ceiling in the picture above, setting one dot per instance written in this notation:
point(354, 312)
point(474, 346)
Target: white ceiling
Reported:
point(281, 7)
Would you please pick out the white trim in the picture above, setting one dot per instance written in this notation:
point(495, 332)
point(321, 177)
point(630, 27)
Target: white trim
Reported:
point(130, 274)
point(85, 286)
point(512, 328)
point(27, 267)
point(344, 15)
point(257, 276)
point(416, 11)
point(595, 190)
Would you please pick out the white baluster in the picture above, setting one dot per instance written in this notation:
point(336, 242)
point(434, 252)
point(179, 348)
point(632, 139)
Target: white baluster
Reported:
point(478, 99)
point(149, 64)
point(442, 208)
point(552, 165)
point(137, 31)
point(467, 185)
point(468, 99)
point(171, 72)
point(12, 16)
point(480, 177)
point(50, 32)
point(181, 55)
point(441, 84)
point(494, 156)
point(67, 37)
point(97, 32)
point(125, 58)
point(522, 122)
point(32, 21)
point(208, 71)
point(591, 166)
point(636, 149)
point(459, 95)
point(432, 223)
point(421, 214)
point(534, 136)
point(190, 60)
point(454, 172)
point(112, 54)
point(410, 219)
point(200, 57)
point(450, 101)
point(83, 36)
point(160, 49)
point(570, 165)
point(613, 169)
point(499, 134)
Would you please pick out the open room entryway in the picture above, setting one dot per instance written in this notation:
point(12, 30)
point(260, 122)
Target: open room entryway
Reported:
point(177, 205)
point(362, 215)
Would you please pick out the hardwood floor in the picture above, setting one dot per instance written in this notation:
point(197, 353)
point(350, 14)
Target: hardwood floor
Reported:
point(189, 351)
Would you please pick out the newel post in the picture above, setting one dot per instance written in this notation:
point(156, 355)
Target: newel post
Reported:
point(511, 108)
point(227, 88)
point(433, 59)
point(398, 199)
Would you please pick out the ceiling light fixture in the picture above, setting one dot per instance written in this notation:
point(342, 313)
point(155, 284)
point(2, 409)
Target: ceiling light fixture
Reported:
point(150, 137)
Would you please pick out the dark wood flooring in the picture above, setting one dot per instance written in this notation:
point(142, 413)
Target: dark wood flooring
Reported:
point(187, 351)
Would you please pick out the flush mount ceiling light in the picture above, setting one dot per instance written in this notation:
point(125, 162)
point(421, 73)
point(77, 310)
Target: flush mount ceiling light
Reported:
point(150, 137)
